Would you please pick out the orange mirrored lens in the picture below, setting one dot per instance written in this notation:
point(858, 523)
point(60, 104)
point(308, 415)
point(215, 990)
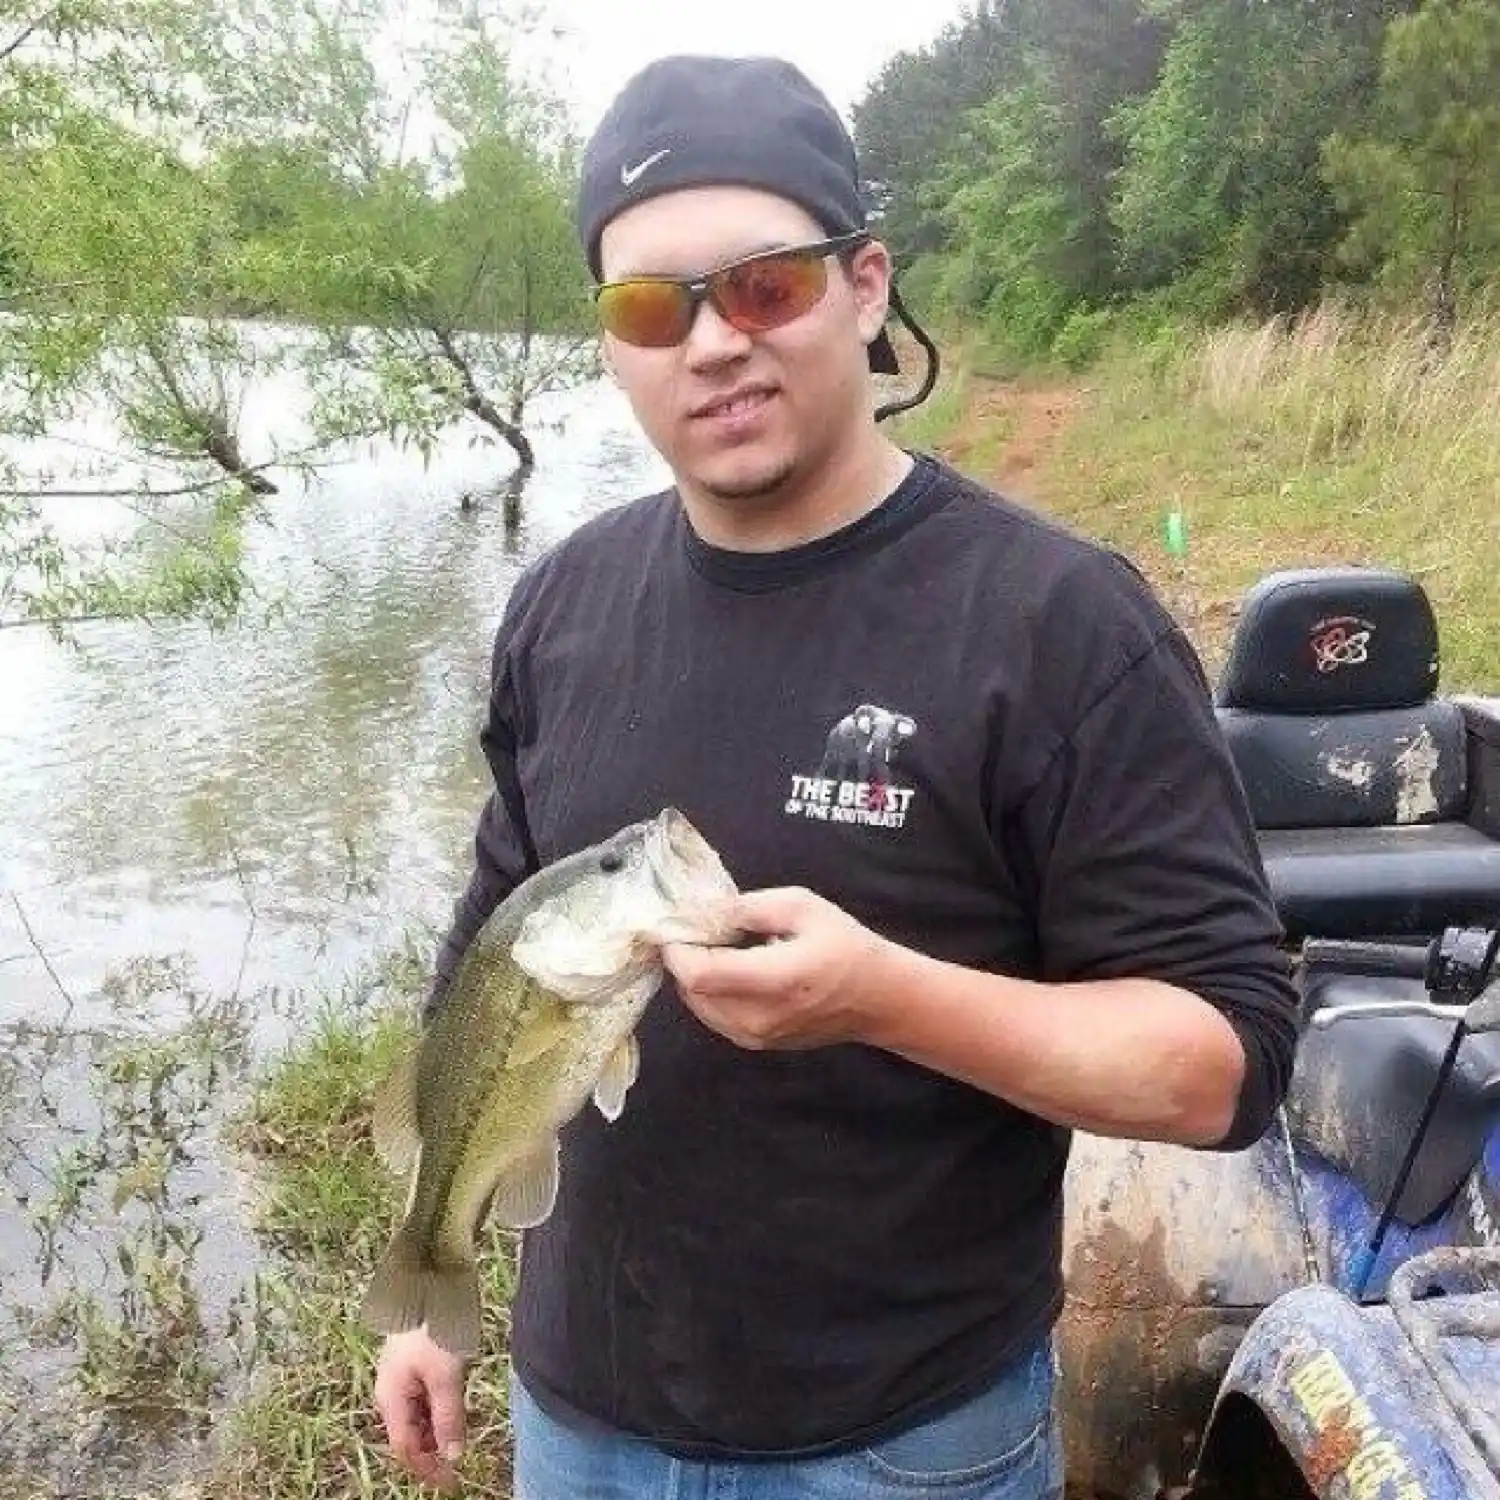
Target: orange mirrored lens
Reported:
point(754, 296)
point(654, 314)
point(764, 294)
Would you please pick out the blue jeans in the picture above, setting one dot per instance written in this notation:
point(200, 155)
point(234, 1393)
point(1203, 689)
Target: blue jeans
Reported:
point(1005, 1444)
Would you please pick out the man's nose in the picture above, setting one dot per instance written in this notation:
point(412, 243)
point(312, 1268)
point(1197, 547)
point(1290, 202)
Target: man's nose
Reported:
point(713, 340)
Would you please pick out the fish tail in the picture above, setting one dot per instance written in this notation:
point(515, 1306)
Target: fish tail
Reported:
point(410, 1288)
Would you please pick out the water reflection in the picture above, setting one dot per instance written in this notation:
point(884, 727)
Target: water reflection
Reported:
point(320, 766)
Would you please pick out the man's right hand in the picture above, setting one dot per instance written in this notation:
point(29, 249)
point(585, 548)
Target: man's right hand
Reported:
point(419, 1394)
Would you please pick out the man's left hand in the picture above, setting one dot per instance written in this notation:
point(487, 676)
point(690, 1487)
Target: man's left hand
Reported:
point(814, 982)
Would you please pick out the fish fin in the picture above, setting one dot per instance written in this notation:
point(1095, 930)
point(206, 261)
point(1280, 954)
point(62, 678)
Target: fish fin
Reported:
point(542, 1030)
point(622, 1070)
point(393, 1121)
point(409, 1289)
point(525, 1194)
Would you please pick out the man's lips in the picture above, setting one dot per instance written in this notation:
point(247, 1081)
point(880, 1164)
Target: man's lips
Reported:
point(738, 403)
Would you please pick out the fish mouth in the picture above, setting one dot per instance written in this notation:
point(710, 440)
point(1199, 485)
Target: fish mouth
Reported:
point(688, 876)
point(671, 845)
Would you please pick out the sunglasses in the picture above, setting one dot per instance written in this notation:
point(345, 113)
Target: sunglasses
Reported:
point(754, 294)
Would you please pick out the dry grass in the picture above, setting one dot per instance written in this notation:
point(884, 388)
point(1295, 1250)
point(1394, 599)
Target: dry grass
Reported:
point(1330, 439)
point(1332, 385)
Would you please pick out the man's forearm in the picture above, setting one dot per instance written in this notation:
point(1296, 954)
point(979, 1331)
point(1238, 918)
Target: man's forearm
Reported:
point(1122, 1057)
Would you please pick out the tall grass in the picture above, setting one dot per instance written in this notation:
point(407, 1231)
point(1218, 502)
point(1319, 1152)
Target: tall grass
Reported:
point(1332, 385)
point(1331, 438)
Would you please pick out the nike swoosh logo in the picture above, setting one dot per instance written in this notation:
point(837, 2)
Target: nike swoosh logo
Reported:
point(629, 176)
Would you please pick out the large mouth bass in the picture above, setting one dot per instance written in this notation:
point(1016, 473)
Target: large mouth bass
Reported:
point(539, 1017)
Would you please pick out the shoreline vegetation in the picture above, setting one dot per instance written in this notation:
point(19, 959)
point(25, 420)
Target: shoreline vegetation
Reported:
point(166, 1398)
point(327, 1208)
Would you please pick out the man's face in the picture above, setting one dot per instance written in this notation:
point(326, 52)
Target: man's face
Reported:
point(741, 416)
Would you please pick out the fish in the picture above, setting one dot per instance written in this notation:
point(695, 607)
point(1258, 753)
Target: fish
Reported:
point(538, 1019)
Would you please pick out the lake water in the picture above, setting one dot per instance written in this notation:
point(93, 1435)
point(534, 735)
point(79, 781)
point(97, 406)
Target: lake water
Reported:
point(262, 809)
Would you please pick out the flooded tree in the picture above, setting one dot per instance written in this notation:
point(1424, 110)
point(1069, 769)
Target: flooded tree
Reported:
point(448, 279)
point(243, 196)
point(106, 240)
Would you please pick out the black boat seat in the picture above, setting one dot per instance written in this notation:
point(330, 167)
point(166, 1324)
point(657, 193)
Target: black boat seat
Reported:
point(1355, 770)
point(1370, 882)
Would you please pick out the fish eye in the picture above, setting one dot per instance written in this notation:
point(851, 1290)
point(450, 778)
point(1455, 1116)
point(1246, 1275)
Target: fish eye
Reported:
point(611, 863)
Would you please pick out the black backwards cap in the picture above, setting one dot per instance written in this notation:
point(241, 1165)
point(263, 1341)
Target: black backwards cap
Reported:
point(756, 122)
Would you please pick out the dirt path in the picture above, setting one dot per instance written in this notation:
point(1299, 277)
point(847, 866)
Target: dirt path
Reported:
point(1006, 437)
point(1007, 429)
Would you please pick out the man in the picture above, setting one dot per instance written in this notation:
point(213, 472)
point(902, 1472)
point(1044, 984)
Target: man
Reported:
point(967, 771)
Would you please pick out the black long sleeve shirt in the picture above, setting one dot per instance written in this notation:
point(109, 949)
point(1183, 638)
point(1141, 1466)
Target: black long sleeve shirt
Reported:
point(983, 737)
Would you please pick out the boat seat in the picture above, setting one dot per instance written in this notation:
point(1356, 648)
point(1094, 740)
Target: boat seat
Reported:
point(1356, 771)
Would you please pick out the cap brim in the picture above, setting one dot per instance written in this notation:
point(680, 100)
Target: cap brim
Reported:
point(883, 355)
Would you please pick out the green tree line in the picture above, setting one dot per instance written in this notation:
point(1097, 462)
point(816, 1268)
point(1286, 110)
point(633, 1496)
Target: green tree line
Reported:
point(1046, 167)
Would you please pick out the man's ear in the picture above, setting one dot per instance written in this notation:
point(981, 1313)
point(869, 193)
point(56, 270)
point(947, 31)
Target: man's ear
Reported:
point(870, 278)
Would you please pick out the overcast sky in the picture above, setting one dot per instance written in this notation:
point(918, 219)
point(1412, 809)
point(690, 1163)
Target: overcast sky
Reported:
point(840, 44)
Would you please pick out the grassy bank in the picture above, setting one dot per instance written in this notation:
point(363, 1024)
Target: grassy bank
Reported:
point(327, 1207)
point(1337, 439)
point(155, 1361)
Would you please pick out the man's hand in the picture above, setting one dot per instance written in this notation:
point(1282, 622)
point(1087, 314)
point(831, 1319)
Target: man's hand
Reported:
point(419, 1393)
point(812, 984)
point(1138, 1058)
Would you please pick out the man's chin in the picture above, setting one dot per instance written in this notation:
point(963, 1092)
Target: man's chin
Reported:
point(747, 483)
